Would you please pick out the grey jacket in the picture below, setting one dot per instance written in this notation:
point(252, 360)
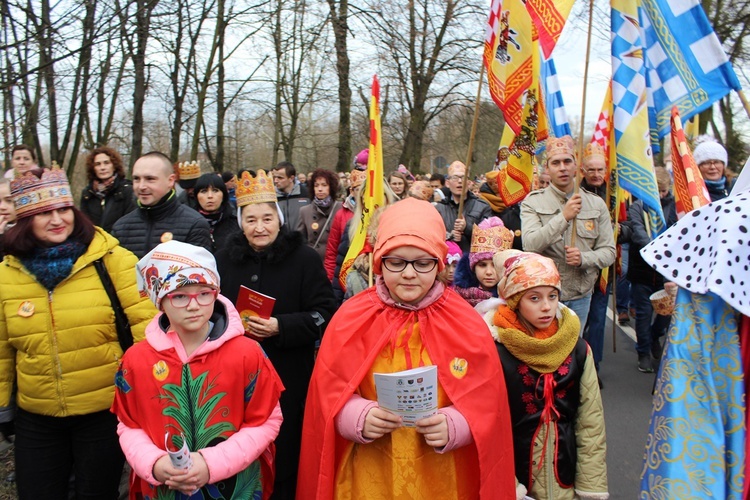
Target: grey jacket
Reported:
point(475, 211)
point(546, 232)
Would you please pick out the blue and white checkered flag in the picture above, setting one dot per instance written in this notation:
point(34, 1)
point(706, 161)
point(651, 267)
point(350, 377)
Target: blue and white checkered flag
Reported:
point(553, 100)
point(685, 63)
point(635, 163)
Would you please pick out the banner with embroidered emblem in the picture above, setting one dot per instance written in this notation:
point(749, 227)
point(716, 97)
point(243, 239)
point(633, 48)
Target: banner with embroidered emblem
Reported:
point(508, 58)
point(685, 63)
point(635, 165)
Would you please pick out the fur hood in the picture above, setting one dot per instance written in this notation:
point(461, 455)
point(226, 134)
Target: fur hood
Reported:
point(286, 242)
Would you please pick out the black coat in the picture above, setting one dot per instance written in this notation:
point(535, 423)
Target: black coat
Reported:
point(293, 274)
point(224, 229)
point(142, 229)
point(639, 271)
point(104, 212)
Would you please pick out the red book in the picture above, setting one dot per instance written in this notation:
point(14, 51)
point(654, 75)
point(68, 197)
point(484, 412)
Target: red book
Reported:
point(251, 303)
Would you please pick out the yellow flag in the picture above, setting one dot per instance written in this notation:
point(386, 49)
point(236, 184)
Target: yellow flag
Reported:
point(373, 196)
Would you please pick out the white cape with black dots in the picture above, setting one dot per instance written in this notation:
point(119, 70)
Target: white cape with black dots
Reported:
point(709, 250)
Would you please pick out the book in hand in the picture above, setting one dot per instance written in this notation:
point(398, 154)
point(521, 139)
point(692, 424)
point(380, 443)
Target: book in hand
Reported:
point(251, 303)
point(411, 394)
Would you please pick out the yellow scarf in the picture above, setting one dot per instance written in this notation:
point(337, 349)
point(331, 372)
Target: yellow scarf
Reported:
point(544, 355)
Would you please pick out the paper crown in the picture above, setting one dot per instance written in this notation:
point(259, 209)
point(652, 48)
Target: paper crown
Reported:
point(357, 178)
point(251, 190)
point(189, 170)
point(33, 194)
point(490, 240)
point(594, 150)
point(560, 146)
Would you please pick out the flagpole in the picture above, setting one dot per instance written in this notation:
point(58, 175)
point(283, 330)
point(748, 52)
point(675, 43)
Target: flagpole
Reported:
point(471, 143)
point(613, 284)
point(745, 104)
point(583, 113)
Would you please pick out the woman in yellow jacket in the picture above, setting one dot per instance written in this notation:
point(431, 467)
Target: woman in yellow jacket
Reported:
point(58, 341)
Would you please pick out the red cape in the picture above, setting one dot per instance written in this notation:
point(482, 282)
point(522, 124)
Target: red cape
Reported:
point(450, 329)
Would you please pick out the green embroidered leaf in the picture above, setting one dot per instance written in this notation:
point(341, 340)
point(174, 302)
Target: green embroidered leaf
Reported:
point(192, 407)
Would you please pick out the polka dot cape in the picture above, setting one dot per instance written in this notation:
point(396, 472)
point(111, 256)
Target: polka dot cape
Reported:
point(709, 250)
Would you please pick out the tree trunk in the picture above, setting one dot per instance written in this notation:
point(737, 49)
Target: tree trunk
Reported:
point(340, 25)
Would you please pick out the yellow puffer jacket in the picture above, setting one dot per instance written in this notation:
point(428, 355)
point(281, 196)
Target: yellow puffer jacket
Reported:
point(61, 346)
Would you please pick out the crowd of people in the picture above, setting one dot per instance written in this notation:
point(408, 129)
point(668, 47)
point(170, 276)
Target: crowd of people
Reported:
point(122, 337)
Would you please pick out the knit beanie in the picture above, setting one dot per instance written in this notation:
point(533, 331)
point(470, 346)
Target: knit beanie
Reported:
point(362, 157)
point(454, 253)
point(520, 271)
point(709, 150)
point(410, 222)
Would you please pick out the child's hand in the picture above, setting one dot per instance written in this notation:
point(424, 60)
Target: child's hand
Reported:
point(434, 429)
point(163, 469)
point(380, 422)
point(191, 480)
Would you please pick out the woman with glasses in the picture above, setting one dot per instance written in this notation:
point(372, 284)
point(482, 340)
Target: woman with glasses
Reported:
point(271, 259)
point(711, 158)
point(59, 344)
point(198, 379)
point(353, 448)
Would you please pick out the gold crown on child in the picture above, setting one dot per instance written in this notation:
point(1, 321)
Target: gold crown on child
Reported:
point(189, 170)
point(252, 190)
point(490, 240)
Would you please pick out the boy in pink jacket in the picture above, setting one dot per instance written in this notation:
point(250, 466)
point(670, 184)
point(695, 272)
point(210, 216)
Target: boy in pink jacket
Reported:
point(196, 387)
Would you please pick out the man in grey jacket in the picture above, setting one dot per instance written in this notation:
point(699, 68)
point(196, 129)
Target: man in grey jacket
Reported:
point(475, 209)
point(546, 222)
point(290, 195)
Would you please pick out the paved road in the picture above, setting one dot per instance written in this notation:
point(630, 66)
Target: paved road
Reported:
point(627, 409)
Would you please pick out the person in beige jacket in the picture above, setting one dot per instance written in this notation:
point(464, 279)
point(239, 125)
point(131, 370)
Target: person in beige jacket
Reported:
point(546, 222)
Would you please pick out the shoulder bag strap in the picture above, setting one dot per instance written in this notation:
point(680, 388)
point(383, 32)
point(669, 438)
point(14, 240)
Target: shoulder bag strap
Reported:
point(124, 334)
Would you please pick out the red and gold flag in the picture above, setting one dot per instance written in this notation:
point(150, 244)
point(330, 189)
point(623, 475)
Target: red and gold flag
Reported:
point(373, 196)
point(549, 17)
point(508, 58)
point(689, 189)
point(518, 151)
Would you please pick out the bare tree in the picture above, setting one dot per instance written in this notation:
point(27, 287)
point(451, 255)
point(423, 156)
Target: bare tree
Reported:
point(430, 51)
point(339, 18)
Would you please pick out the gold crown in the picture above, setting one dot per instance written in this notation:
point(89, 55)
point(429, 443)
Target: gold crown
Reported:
point(490, 240)
point(594, 150)
point(255, 190)
point(33, 195)
point(189, 170)
point(560, 146)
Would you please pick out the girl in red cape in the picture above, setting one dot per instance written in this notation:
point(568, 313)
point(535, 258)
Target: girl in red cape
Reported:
point(351, 448)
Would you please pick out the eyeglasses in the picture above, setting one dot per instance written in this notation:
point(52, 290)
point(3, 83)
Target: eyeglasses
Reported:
point(396, 265)
point(711, 163)
point(454, 177)
point(204, 298)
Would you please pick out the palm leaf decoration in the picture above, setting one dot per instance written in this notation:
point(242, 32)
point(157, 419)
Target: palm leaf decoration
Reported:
point(249, 483)
point(192, 407)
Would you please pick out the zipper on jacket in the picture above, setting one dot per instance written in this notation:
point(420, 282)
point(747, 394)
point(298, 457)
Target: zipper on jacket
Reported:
point(56, 355)
point(191, 406)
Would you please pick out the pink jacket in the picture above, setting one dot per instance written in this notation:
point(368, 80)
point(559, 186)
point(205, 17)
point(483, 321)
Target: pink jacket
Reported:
point(225, 459)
